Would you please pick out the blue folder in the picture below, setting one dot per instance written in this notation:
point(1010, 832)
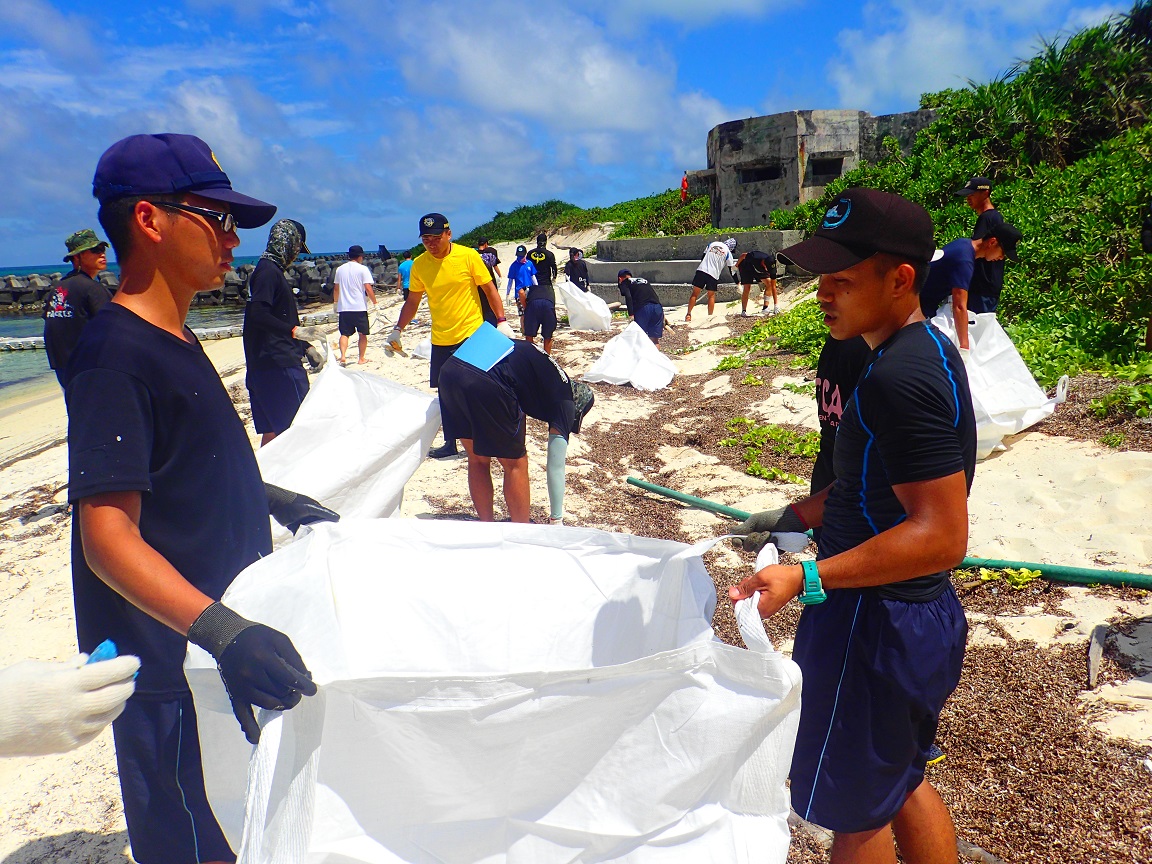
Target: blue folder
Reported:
point(485, 348)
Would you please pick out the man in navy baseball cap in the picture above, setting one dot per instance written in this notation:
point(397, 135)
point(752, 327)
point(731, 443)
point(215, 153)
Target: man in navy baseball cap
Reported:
point(168, 164)
point(169, 505)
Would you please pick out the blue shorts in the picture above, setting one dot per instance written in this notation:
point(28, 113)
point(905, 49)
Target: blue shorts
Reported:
point(474, 405)
point(162, 783)
point(876, 674)
point(650, 316)
point(275, 393)
point(539, 316)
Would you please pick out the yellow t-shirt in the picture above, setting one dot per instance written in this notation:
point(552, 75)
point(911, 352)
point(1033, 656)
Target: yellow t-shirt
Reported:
point(452, 284)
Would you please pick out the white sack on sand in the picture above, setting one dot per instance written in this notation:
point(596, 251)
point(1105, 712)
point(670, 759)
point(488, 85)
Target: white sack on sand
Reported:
point(631, 358)
point(586, 311)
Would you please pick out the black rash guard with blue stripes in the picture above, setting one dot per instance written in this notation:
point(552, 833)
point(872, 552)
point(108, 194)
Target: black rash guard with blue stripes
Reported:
point(909, 420)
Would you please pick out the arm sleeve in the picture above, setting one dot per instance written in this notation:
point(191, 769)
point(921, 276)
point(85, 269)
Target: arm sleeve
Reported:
point(915, 423)
point(260, 315)
point(110, 434)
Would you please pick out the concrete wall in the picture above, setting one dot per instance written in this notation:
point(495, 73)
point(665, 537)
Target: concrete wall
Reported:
point(685, 247)
point(777, 161)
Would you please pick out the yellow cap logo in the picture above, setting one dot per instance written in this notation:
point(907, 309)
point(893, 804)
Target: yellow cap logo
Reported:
point(214, 159)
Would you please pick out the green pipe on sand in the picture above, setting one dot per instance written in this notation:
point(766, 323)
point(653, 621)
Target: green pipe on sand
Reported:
point(1054, 572)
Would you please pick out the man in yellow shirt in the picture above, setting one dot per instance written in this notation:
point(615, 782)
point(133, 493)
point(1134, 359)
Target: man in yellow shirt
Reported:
point(453, 277)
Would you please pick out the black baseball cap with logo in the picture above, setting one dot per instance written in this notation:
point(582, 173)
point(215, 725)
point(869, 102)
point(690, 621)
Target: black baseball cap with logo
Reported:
point(433, 223)
point(1008, 236)
point(861, 223)
point(976, 184)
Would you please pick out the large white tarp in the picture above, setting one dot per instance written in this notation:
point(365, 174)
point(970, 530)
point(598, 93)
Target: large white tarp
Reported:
point(631, 358)
point(502, 693)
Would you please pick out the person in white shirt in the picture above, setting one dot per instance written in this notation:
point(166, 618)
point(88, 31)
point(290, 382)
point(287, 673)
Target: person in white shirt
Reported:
point(707, 276)
point(352, 288)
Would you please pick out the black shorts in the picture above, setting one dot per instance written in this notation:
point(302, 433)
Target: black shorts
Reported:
point(540, 315)
point(705, 280)
point(440, 353)
point(162, 783)
point(275, 394)
point(476, 406)
point(750, 273)
point(876, 674)
point(352, 322)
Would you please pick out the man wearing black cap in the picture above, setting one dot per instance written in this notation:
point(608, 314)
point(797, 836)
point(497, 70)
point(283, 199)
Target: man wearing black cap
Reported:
point(453, 277)
point(644, 306)
point(576, 269)
point(274, 341)
point(491, 258)
point(545, 263)
point(951, 277)
point(881, 636)
point(169, 502)
point(75, 300)
point(352, 288)
point(987, 275)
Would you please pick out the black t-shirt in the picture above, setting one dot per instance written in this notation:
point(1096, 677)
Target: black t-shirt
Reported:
point(577, 271)
point(67, 311)
point(954, 270)
point(637, 292)
point(545, 264)
point(541, 291)
point(987, 276)
point(491, 259)
point(839, 368)
point(269, 318)
point(757, 265)
point(542, 388)
point(909, 420)
point(147, 412)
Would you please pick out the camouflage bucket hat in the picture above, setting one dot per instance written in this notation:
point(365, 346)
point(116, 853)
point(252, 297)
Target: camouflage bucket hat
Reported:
point(82, 241)
point(584, 398)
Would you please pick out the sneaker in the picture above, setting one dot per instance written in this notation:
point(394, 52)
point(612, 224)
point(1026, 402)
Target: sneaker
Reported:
point(935, 755)
point(552, 521)
point(443, 451)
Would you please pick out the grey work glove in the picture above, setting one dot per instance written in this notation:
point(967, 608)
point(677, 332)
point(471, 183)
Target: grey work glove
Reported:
point(258, 665)
point(315, 358)
point(291, 509)
point(758, 528)
point(308, 334)
point(56, 707)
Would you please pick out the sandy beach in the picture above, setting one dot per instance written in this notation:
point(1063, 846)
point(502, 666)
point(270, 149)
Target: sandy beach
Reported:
point(1045, 498)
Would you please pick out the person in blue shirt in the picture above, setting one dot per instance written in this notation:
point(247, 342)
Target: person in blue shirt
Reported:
point(521, 276)
point(405, 270)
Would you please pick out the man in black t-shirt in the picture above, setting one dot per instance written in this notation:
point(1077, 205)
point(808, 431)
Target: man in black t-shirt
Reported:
point(544, 261)
point(274, 341)
point(72, 303)
point(757, 266)
point(491, 260)
point(987, 275)
point(881, 639)
point(169, 503)
point(485, 409)
point(576, 269)
point(644, 306)
point(539, 304)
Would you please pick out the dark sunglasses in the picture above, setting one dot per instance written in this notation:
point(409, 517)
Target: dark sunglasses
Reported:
point(226, 221)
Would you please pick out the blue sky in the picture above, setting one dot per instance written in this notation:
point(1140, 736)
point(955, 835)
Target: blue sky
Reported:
point(357, 117)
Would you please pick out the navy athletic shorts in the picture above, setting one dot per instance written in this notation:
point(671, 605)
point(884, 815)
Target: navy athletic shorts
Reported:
point(876, 674)
point(705, 280)
point(353, 322)
point(275, 393)
point(750, 272)
point(158, 758)
point(476, 406)
point(540, 316)
point(650, 316)
point(440, 353)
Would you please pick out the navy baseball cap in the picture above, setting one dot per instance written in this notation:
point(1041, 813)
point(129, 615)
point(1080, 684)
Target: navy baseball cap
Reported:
point(860, 223)
point(623, 273)
point(1008, 236)
point(434, 223)
point(167, 164)
point(976, 184)
point(355, 251)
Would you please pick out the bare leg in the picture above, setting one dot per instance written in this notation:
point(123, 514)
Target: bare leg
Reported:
point(747, 289)
point(517, 494)
point(924, 829)
point(770, 288)
point(266, 437)
point(479, 482)
point(865, 847)
point(548, 347)
point(343, 348)
point(711, 302)
point(362, 344)
point(692, 302)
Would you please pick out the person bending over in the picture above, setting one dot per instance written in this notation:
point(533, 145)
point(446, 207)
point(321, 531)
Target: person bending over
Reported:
point(707, 277)
point(644, 306)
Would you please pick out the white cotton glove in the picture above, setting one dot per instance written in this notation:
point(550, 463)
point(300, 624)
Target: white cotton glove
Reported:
point(393, 340)
point(506, 328)
point(56, 707)
point(308, 334)
point(965, 355)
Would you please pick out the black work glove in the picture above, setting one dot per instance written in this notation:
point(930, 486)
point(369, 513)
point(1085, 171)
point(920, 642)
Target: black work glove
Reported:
point(259, 666)
point(758, 528)
point(291, 509)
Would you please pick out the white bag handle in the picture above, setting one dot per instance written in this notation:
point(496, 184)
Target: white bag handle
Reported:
point(751, 626)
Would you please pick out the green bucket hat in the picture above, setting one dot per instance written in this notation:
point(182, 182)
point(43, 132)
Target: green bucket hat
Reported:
point(82, 241)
